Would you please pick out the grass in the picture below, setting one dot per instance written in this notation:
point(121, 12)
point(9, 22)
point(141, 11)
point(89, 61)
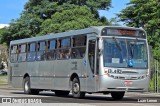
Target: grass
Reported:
point(3, 82)
point(3, 79)
point(3, 76)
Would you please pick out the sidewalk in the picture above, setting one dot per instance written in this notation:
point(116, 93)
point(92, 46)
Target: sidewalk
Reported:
point(8, 87)
point(144, 93)
point(5, 86)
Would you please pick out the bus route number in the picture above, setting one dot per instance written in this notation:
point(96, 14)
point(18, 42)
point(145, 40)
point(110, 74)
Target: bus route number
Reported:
point(115, 71)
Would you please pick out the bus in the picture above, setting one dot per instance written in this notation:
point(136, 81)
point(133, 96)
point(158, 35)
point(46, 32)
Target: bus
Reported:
point(99, 59)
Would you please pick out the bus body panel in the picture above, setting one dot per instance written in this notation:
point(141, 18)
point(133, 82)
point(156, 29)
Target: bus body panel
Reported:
point(33, 68)
point(18, 70)
point(17, 82)
point(61, 80)
point(44, 75)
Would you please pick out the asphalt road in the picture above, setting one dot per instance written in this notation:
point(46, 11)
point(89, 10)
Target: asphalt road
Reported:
point(130, 99)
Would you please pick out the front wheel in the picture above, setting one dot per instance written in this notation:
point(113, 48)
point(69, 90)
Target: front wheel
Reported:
point(117, 95)
point(26, 87)
point(76, 89)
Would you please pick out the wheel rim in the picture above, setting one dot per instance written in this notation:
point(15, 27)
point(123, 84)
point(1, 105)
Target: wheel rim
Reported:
point(26, 87)
point(76, 88)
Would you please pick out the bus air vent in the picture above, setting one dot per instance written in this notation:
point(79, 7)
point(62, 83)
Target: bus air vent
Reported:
point(129, 72)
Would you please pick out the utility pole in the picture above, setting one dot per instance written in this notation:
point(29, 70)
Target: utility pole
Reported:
point(156, 76)
point(156, 61)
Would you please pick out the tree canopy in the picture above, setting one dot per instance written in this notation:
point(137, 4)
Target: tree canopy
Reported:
point(145, 14)
point(51, 16)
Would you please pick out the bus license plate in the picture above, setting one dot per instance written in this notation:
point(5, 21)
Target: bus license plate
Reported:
point(128, 82)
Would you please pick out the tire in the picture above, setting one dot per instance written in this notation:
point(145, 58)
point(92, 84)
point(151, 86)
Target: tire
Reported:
point(27, 89)
point(61, 93)
point(76, 92)
point(117, 95)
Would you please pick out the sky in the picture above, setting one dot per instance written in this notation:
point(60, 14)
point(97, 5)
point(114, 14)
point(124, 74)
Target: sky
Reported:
point(11, 9)
point(117, 6)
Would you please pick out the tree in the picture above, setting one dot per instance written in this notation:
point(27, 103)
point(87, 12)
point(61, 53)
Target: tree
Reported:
point(46, 8)
point(114, 21)
point(145, 14)
point(1, 32)
point(51, 16)
point(78, 18)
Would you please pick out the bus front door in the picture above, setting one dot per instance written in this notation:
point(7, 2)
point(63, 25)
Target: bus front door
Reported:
point(91, 65)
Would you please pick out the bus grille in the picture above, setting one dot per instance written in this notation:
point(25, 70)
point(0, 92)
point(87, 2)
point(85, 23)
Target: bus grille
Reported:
point(128, 78)
point(129, 72)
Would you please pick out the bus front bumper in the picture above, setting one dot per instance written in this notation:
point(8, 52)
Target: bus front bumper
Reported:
point(110, 85)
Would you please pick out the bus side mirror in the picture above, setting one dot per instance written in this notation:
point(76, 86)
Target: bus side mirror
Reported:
point(100, 46)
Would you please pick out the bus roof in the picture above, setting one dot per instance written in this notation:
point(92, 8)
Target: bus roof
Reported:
point(92, 29)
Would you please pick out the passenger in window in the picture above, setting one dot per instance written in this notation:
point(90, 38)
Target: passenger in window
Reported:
point(62, 54)
point(38, 46)
point(68, 54)
point(73, 53)
point(19, 49)
point(59, 44)
point(49, 56)
point(78, 54)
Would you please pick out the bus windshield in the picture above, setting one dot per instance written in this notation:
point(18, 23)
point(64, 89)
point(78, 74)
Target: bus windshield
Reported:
point(125, 53)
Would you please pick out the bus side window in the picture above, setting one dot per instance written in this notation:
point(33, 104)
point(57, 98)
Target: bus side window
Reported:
point(14, 53)
point(40, 51)
point(31, 52)
point(51, 52)
point(22, 53)
point(64, 51)
point(79, 47)
point(91, 54)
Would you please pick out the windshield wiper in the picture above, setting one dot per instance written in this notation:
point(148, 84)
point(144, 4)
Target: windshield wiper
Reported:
point(130, 61)
point(119, 47)
point(131, 50)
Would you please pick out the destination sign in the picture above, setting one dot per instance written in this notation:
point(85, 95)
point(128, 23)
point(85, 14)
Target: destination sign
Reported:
point(126, 32)
point(123, 32)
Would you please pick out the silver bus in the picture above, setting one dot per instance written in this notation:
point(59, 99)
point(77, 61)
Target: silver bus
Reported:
point(102, 59)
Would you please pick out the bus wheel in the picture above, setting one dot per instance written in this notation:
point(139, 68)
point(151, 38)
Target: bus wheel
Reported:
point(26, 87)
point(61, 93)
point(117, 95)
point(76, 89)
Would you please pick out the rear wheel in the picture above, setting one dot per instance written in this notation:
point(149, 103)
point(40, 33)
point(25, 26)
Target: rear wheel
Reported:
point(76, 89)
point(117, 95)
point(61, 93)
point(26, 87)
